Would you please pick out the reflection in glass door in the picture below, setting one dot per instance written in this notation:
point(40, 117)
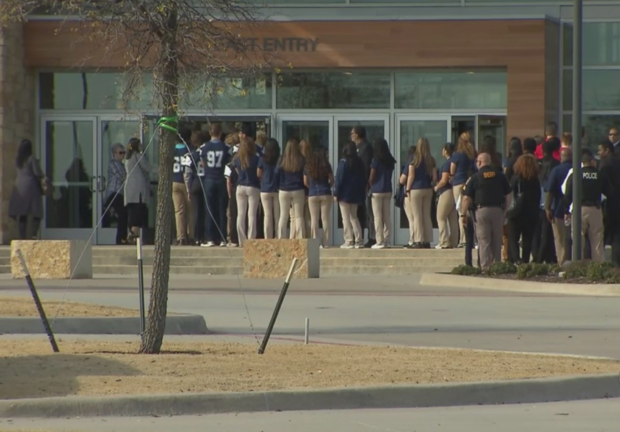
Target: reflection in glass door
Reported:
point(409, 130)
point(376, 127)
point(111, 132)
point(494, 126)
point(69, 162)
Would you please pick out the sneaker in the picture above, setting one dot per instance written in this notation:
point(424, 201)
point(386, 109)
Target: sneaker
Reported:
point(377, 246)
point(233, 245)
point(359, 246)
point(223, 244)
point(208, 244)
point(443, 247)
point(346, 246)
point(408, 246)
point(461, 245)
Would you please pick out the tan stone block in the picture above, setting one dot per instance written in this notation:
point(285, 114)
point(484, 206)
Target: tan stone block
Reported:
point(53, 259)
point(272, 259)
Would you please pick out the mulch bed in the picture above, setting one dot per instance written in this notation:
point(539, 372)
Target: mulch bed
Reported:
point(548, 278)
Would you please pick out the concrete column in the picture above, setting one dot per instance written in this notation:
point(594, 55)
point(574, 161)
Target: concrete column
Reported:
point(17, 117)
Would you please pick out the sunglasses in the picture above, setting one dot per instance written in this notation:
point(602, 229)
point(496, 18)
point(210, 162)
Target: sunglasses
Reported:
point(121, 152)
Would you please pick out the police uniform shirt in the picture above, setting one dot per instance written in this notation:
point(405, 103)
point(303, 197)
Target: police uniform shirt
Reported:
point(592, 187)
point(488, 188)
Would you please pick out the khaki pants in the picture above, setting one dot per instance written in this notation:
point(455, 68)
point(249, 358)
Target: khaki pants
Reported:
point(559, 238)
point(447, 219)
point(592, 226)
point(271, 209)
point(410, 219)
point(351, 224)
point(381, 203)
point(457, 191)
point(247, 205)
point(489, 226)
point(182, 211)
point(297, 200)
point(420, 201)
point(320, 207)
point(505, 243)
point(306, 220)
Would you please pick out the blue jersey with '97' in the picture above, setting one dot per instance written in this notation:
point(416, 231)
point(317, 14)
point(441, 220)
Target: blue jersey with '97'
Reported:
point(214, 156)
point(182, 161)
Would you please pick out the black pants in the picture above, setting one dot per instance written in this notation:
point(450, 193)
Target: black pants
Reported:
point(217, 203)
point(470, 243)
point(117, 203)
point(613, 230)
point(199, 210)
point(521, 228)
point(545, 252)
point(22, 227)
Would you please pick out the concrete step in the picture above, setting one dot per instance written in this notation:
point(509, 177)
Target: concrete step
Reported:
point(175, 270)
point(175, 261)
point(381, 270)
point(5, 269)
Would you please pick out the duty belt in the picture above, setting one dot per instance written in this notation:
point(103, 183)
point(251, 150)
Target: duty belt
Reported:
point(596, 204)
point(479, 206)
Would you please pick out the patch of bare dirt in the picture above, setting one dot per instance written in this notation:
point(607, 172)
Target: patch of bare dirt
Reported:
point(25, 307)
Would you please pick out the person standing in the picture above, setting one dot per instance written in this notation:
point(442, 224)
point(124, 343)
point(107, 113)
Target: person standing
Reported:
point(364, 151)
point(422, 174)
point(26, 198)
point(462, 166)
point(380, 182)
point(180, 187)
point(349, 193)
point(269, 187)
point(319, 181)
point(215, 156)
point(551, 131)
point(491, 195)
point(137, 192)
point(447, 215)
point(117, 175)
point(195, 177)
point(290, 174)
point(545, 249)
point(515, 151)
point(593, 186)
point(305, 147)
point(614, 137)
point(404, 171)
point(554, 208)
point(248, 189)
point(610, 170)
point(230, 174)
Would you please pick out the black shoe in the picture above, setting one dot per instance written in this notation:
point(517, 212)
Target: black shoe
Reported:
point(426, 245)
point(370, 243)
point(417, 246)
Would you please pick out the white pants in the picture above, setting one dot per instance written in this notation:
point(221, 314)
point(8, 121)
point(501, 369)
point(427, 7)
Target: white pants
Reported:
point(351, 224)
point(297, 199)
point(381, 203)
point(320, 208)
point(271, 209)
point(247, 205)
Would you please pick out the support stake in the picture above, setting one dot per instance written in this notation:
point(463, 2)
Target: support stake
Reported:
point(141, 284)
point(307, 332)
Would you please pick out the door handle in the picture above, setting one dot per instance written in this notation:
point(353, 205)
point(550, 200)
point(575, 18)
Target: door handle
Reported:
point(93, 185)
point(103, 183)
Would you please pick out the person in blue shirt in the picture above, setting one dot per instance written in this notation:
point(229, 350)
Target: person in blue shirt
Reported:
point(447, 216)
point(553, 204)
point(248, 189)
point(181, 187)
point(462, 166)
point(197, 195)
point(350, 193)
point(290, 174)
point(214, 156)
point(269, 187)
point(422, 174)
point(404, 170)
point(319, 181)
point(380, 182)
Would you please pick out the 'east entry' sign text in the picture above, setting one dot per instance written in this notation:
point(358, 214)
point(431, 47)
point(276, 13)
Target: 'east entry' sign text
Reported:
point(289, 44)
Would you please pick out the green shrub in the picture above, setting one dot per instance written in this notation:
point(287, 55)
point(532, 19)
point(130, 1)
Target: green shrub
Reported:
point(502, 268)
point(576, 270)
point(530, 270)
point(598, 271)
point(464, 270)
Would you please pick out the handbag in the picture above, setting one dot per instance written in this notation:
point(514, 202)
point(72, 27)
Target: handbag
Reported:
point(399, 198)
point(516, 205)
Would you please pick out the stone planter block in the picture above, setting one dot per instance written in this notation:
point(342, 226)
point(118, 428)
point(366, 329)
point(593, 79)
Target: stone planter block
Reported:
point(272, 259)
point(53, 259)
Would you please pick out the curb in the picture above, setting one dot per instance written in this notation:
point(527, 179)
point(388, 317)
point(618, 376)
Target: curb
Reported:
point(418, 396)
point(175, 325)
point(456, 281)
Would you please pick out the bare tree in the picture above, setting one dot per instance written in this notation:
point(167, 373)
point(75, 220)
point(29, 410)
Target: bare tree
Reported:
point(187, 48)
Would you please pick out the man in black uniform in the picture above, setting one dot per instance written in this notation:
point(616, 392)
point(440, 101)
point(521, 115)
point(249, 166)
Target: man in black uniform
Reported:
point(491, 194)
point(593, 187)
point(364, 213)
point(610, 170)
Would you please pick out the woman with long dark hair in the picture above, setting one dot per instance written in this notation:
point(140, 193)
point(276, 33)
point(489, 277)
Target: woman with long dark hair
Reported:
point(515, 149)
point(137, 192)
point(27, 192)
point(350, 192)
point(319, 180)
point(422, 175)
point(269, 187)
point(526, 192)
point(447, 216)
point(248, 189)
point(380, 182)
point(462, 165)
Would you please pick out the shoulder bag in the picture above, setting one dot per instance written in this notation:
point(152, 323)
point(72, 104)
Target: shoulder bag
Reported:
point(516, 205)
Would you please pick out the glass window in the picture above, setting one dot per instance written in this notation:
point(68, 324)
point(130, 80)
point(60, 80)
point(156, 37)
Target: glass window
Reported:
point(601, 90)
point(252, 92)
point(425, 2)
point(601, 44)
point(325, 90)
point(451, 90)
point(596, 127)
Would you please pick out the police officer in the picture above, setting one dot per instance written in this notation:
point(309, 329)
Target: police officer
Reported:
point(491, 195)
point(593, 186)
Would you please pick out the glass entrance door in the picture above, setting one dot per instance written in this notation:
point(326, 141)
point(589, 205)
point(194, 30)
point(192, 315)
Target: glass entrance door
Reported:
point(494, 126)
point(409, 129)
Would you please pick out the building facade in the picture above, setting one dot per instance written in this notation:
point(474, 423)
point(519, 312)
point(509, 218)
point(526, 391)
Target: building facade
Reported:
point(403, 69)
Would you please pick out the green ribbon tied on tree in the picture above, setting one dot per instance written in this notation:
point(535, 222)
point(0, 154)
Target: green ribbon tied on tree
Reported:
point(169, 123)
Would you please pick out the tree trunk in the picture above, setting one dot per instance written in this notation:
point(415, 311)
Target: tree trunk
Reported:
point(168, 88)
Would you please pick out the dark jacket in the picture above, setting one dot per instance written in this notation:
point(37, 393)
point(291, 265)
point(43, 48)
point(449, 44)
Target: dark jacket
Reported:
point(365, 152)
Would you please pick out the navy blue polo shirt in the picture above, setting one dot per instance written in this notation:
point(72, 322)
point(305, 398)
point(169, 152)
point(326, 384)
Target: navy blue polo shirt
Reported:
point(318, 187)
point(269, 181)
point(445, 168)
point(463, 166)
point(422, 178)
point(248, 176)
point(383, 177)
point(291, 181)
point(182, 162)
point(554, 187)
point(214, 156)
point(350, 184)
